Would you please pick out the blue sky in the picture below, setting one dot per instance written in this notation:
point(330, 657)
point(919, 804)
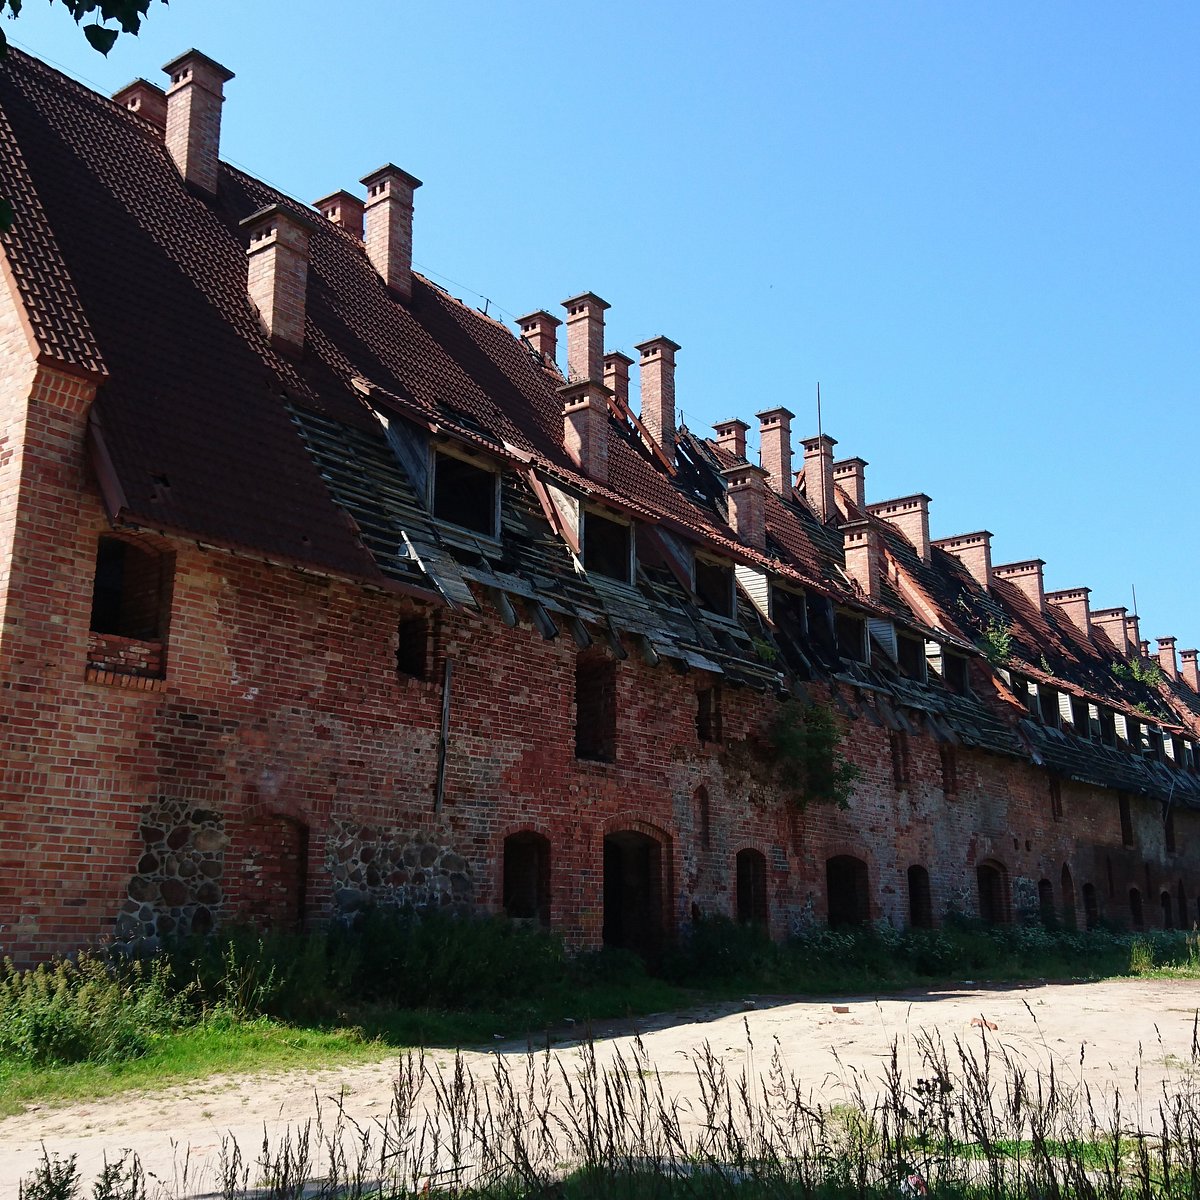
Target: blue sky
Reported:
point(975, 224)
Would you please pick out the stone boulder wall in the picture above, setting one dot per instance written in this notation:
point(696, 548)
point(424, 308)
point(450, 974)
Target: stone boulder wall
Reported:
point(370, 866)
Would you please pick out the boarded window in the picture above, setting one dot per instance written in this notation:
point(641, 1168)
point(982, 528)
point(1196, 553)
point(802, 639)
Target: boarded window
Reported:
point(128, 590)
point(1126, 819)
point(920, 903)
point(714, 587)
point(900, 759)
point(910, 655)
point(846, 891)
point(751, 888)
point(526, 886)
point(708, 713)
point(992, 880)
point(851, 637)
point(412, 648)
point(949, 771)
point(465, 494)
point(595, 708)
point(607, 546)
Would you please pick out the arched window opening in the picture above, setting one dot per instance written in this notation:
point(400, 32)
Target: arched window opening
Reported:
point(920, 902)
point(1136, 917)
point(1091, 908)
point(751, 888)
point(1046, 913)
point(992, 878)
point(846, 890)
point(1168, 915)
point(1069, 919)
point(526, 885)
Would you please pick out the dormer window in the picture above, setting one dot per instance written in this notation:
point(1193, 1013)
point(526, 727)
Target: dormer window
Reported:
point(466, 494)
point(954, 667)
point(1048, 703)
point(714, 586)
point(607, 546)
point(910, 655)
point(851, 637)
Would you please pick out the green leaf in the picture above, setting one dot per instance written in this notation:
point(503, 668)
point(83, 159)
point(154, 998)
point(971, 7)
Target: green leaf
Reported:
point(100, 38)
point(6, 215)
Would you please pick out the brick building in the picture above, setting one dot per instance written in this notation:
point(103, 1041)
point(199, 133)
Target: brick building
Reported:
point(320, 589)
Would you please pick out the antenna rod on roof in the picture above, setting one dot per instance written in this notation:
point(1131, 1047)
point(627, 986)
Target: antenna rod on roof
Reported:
point(820, 431)
point(1133, 589)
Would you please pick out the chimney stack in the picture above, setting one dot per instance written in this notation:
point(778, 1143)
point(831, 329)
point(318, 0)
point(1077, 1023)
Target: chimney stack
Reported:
point(1166, 657)
point(585, 427)
point(818, 475)
point(657, 370)
point(1026, 576)
point(1112, 622)
point(1074, 605)
point(194, 101)
point(616, 376)
point(277, 273)
point(343, 209)
point(775, 446)
point(1133, 634)
point(731, 436)
point(860, 540)
point(851, 473)
point(147, 100)
point(388, 221)
point(540, 330)
point(745, 492)
point(585, 337)
point(974, 551)
point(1188, 669)
point(910, 515)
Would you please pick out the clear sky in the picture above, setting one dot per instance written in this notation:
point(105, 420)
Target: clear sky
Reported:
point(974, 224)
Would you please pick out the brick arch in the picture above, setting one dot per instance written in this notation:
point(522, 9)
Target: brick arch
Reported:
point(663, 883)
point(501, 835)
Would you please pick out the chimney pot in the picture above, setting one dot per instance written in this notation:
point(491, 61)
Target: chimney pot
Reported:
point(585, 427)
point(616, 377)
point(974, 551)
point(1112, 622)
point(910, 515)
point(731, 437)
point(1133, 634)
point(851, 473)
point(818, 476)
point(775, 442)
point(745, 494)
point(388, 226)
point(585, 337)
point(1189, 670)
point(193, 130)
point(1074, 605)
point(1026, 576)
point(657, 372)
point(145, 99)
point(277, 272)
point(540, 330)
point(1166, 657)
point(343, 209)
point(861, 545)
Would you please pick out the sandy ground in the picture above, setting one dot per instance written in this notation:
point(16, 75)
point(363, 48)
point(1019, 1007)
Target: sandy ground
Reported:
point(1122, 1026)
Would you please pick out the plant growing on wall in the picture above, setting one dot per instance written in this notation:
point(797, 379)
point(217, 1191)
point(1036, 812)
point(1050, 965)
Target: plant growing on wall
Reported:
point(807, 741)
point(996, 642)
point(1139, 671)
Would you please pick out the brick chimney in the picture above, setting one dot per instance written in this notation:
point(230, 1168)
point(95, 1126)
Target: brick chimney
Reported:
point(745, 491)
point(585, 337)
point(1188, 669)
point(851, 474)
point(388, 226)
point(818, 476)
point(1112, 622)
point(540, 330)
point(910, 515)
point(1133, 634)
point(1027, 576)
point(658, 391)
point(731, 436)
point(1074, 605)
point(616, 376)
point(194, 100)
point(974, 551)
point(775, 445)
point(860, 540)
point(147, 100)
point(343, 209)
point(1166, 657)
point(585, 427)
point(277, 273)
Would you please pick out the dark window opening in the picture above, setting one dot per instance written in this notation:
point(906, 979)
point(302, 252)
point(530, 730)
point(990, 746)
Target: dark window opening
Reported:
point(1168, 916)
point(1126, 819)
point(606, 546)
point(992, 878)
point(900, 759)
point(1112, 886)
point(464, 495)
point(128, 590)
point(949, 771)
point(851, 637)
point(1079, 717)
point(1169, 830)
point(910, 655)
point(751, 888)
point(526, 888)
point(1108, 727)
point(1183, 907)
point(1135, 909)
point(920, 902)
point(704, 817)
point(818, 611)
point(595, 708)
point(1056, 803)
point(412, 647)
point(1091, 909)
point(708, 713)
point(846, 891)
point(1048, 705)
point(714, 587)
point(1069, 919)
point(634, 891)
point(954, 670)
point(1046, 913)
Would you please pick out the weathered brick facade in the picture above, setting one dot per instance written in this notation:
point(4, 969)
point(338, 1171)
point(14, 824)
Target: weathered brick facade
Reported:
point(204, 720)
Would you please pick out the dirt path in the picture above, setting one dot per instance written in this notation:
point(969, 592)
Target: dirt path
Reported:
point(1121, 1025)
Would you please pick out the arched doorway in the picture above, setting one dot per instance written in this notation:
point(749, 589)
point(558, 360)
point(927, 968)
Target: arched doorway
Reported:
point(846, 891)
point(1069, 919)
point(751, 888)
point(920, 902)
point(1168, 916)
point(1136, 916)
point(526, 884)
point(633, 892)
point(1046, 913)
point(992, 878)
point(1091, 908)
